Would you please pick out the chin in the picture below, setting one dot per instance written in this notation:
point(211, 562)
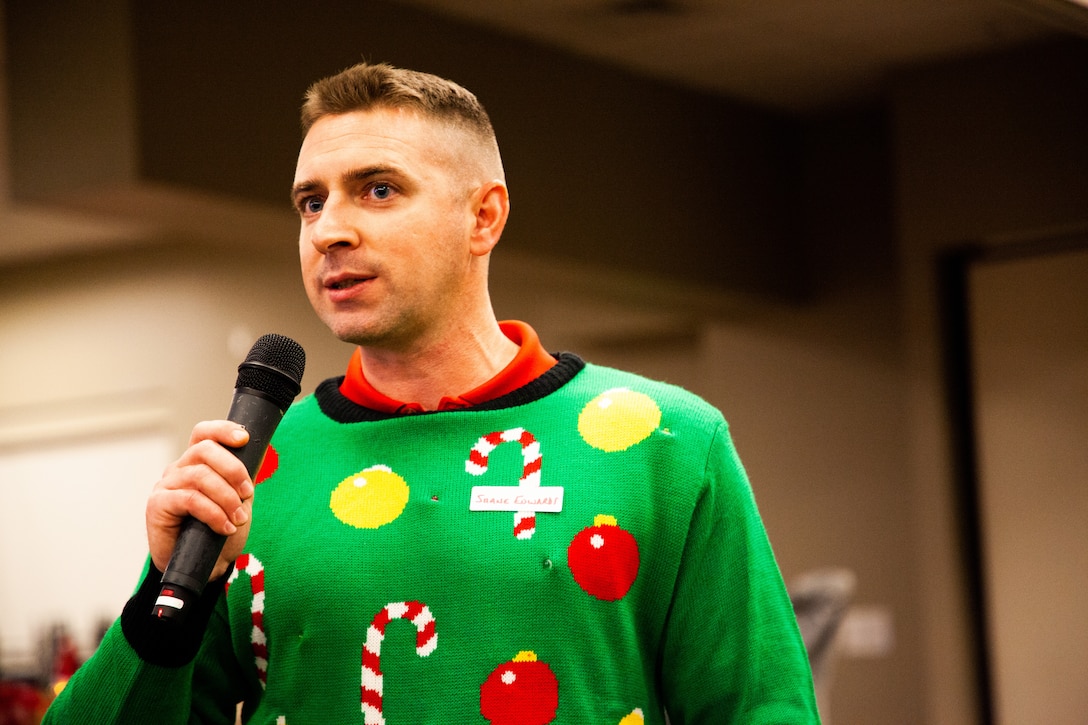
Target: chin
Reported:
point(365, 336)
point(373, 333)
point(355, 337)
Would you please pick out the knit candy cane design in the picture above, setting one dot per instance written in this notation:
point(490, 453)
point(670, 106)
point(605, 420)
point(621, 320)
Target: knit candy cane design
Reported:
point(524, 521)
point(426, 641)
point(252, 566)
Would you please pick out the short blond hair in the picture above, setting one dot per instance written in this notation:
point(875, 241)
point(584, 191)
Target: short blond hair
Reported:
point(368, 86)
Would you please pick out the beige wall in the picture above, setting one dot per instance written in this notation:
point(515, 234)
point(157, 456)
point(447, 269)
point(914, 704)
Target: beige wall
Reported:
point(986, 152)
point(166, 325)
point(1029, 324)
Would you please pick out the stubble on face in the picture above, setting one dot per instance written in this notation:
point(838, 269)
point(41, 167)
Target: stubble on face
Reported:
point(416, 248)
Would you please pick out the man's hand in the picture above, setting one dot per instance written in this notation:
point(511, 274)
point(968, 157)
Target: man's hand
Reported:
point(209, 483)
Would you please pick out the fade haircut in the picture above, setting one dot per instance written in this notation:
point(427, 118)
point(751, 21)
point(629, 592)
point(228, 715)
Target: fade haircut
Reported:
point(368, 86)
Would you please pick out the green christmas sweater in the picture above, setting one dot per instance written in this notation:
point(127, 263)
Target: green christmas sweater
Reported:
point(585, 550)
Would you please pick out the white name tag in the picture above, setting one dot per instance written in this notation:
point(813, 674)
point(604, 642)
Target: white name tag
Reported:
point(548, 499)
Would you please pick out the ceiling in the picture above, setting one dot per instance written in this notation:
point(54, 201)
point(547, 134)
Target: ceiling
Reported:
point(798, 56)
point(794, 55)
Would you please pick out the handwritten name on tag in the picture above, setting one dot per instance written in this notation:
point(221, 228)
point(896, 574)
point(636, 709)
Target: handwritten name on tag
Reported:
point(547, 499)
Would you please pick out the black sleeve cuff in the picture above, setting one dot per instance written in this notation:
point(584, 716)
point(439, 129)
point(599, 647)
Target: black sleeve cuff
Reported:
point(162, 642)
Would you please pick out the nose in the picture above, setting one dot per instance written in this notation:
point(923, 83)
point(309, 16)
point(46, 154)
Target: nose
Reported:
point(333, 228)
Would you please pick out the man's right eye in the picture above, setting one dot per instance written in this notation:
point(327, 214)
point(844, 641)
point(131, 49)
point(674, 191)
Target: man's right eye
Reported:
point(313, 204)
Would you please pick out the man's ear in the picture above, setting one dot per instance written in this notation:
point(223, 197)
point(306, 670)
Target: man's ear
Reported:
point(492, 207)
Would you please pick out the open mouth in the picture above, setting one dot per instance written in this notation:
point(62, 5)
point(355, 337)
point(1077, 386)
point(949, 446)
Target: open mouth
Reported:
point(348, 283)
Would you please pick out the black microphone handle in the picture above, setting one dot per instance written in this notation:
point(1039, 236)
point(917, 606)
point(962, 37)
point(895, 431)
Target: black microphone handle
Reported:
point(198, 547)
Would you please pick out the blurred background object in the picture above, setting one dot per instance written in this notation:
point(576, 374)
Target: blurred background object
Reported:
point(821, 599)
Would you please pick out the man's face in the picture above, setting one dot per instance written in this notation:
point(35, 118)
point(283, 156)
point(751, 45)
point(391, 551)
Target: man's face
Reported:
point(385, 225)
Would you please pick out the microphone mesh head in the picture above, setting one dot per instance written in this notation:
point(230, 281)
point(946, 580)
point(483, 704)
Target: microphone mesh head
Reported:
point(274, 366)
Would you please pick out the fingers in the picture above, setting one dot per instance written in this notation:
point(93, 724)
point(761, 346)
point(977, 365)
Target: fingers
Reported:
point(225, 432)
point(207, 466)
point(207, 482)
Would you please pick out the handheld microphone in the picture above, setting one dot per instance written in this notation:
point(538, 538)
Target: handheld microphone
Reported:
point(268, 380)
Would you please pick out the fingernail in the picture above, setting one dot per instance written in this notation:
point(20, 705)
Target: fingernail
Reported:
point(246, 491)
point(230, 528)
point(238, 435)
point(240, 516)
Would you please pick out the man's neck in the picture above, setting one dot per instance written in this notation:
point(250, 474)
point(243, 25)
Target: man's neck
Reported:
point(459, 362)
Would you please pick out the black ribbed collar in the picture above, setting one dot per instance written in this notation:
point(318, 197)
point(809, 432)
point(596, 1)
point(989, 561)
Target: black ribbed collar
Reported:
point(342, 410)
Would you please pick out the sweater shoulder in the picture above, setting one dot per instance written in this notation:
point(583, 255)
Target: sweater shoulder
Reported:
point(668, 396)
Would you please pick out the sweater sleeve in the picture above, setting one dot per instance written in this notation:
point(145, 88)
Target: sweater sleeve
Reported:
point(147, 671)
point(732, 649)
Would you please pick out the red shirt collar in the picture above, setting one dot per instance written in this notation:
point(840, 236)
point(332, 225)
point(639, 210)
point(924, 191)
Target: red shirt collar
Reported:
point(531, 361)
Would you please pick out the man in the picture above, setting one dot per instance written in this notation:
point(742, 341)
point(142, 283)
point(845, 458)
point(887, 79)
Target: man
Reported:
point(493, 533)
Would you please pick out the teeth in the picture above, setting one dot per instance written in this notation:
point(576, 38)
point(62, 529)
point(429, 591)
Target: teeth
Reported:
point(344, 284)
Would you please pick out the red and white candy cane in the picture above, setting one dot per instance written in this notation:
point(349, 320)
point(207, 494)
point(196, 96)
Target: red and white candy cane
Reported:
point(426, 640)
point(524, 521)
point(252, 566)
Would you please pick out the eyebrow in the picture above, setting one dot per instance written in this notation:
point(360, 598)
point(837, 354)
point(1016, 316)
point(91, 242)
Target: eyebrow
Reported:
point(355, 176)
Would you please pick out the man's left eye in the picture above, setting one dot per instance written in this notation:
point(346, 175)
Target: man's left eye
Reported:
point(381, 191)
